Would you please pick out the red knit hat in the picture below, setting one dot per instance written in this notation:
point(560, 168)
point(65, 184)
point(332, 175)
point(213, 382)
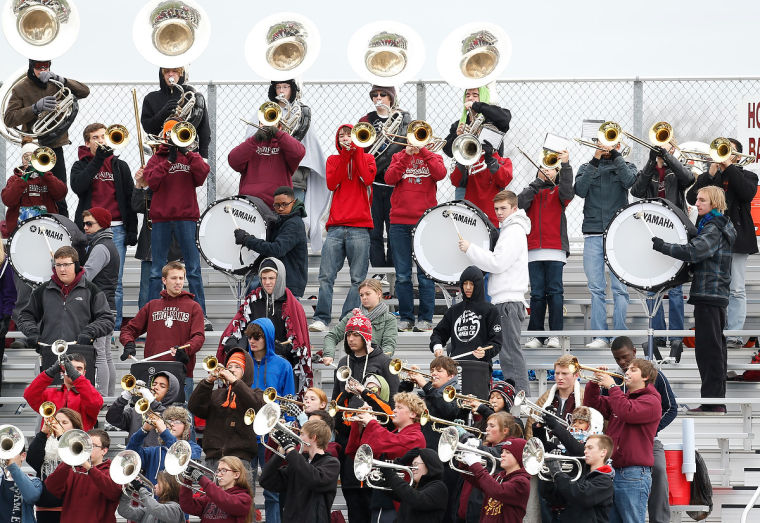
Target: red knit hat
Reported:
point(515, 447)
point(361, 324)
point(102, 216)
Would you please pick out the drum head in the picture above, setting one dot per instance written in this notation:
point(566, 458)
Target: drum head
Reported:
point(435, 242)
point(29, 252)
point(215, 236)
point(628, 244)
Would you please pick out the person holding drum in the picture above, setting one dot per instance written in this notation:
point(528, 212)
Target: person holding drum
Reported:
point(603, 182)
point(710, 252)
point(741, 186)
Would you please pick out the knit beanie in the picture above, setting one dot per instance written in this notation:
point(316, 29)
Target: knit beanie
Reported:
point(102, 216)
point(238, 358)
point(385, 390)
point(506, 391)
point(361, 324)
point(28, 148)
point(391, 91)
point(515, 447)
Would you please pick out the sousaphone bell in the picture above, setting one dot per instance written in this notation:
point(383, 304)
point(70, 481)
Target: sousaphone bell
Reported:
point(474, 55)
point(386, 53)
point(282, 46)
point(171, 33)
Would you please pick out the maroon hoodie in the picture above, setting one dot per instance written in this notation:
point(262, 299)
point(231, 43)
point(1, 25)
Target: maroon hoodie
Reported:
point(173, 185)
point(86, 497)
point(216, 505)
point(265, 166)
point(416, 181)
point(505, 496)
point(168, 321)
point(42, 191)
point(350, 174)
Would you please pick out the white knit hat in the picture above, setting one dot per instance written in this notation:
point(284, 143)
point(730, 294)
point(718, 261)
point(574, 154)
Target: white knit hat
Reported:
point(28, 148)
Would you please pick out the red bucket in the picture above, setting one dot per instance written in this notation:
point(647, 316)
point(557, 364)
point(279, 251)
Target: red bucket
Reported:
point(679, 488)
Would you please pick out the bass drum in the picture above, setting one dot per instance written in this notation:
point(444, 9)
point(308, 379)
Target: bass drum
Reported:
point(32, 244)
point(215, 237)
point(628, 244)
point(435, 239)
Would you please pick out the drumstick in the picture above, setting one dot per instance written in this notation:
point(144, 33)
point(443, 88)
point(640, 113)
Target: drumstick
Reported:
point(43, 230)
point(471, 352)
point(228, 208)
point(640, 216)
point(187, 345)
point(455, 225)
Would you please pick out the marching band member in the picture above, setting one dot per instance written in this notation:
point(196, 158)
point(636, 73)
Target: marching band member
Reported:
point(483, 187)
point(35, 94)
point(163, 508)
point(18, 492)
point(91, 495)
point(501, 398)
point(740, 186)
point(349, 176)
point(506, 494)
point(229, 499)
point(420, 502)
point(710, 254)
point(633, 418)
point(384, 331)
point(385, 102)
point(314, 399)
point(565, 395)
point(591, 497)
point(508, 265)
point(414, 173)
point(309, 476)
point(664, 176)
point(603, 184)
point(158, 106)
point(544, 201)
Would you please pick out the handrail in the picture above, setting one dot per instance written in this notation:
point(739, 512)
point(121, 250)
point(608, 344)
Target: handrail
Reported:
point(750, 505)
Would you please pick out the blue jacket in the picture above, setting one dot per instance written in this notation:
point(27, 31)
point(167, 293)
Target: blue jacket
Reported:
point(603, 183)
point(153, 457)
point(30, 489)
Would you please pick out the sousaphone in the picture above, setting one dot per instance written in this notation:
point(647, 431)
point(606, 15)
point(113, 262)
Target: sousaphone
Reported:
point(171, 33)
point(474, 55)
point(386, 53)
point(282, 46)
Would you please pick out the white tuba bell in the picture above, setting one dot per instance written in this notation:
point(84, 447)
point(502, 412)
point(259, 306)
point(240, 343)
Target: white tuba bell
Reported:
point(386, 53)
point(282, 46)
point(474, 55)
point(171, 33)
point(40, 29)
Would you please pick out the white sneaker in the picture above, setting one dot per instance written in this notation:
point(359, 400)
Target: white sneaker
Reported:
point(597, 343)
point(553, 343)
point(533, 343)
point(317, 326)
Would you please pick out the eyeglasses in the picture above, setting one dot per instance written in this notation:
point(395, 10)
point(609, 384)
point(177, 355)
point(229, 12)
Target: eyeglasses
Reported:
point(282, 205)
point(98, 446)
point(41, 65)
point(173, 422)
point(63, 265)
point(223, 471)
point(375, 94)
point(88, 224)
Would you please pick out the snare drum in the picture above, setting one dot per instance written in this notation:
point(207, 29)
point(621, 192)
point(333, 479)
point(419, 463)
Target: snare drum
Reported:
point(435, 241)
point(215, 236)
point(628, 244)
point(30, 254)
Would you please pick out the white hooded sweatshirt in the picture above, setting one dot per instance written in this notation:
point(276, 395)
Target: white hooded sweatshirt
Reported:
point(508, 263)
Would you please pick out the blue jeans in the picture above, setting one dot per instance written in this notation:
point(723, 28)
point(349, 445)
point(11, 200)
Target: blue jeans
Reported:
point(401, 238)
point(546, 289)
point(144, 283)
point(119, 238)
point(161, 238)
point(675, 314)
point(271, 499)
point(594, 267)
point(300, 194)
point(342, 243)
point(632, 486)
point(736, 312)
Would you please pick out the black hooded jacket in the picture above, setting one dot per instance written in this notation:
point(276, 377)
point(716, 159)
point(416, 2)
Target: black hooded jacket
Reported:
point(303, 125)
point(155, 111)
point(425, 502)
point(587, 500)
point(470, 324)
point(376, 362)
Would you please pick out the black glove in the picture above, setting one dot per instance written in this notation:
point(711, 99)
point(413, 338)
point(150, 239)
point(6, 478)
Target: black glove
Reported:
point(657, 243)
point(172, 157)
point(84, 339)
point(487, 150)
point(33, 343)
point(5, 323)
point(103, 152)
point(552, 423)
point(169, 108)
point(230, 345)
point(70, 370)
point(465, 437)
point(660, 151)
point(181, 356)
point(196, 474)
point(554, 466)
point(54, 370)
point(136, 485)
point(131, 238)
point(129, 350)
point(240, 236)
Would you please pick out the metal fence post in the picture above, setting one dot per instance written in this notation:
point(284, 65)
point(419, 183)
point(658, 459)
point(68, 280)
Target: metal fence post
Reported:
point(211, 180)
point(2, 170)
point(638, 119)
point(421, 101)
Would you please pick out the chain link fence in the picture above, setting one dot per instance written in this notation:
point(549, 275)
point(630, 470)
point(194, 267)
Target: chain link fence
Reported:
point(698, 109)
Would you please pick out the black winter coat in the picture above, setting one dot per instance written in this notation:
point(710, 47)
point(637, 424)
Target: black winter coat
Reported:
point(587, 500)
point(740, 186)
point(376, 362)
point(495, 115)
point(426, 501)
point(678, 178)
point(383, 160)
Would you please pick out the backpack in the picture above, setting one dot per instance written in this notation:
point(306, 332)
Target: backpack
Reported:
point(701, 490)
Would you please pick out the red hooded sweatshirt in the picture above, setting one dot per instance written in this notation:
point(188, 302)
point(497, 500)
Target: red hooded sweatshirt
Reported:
point(82, 398)
point(265, 166)
point(42, 191)
point(350, 174)
point(393, 444)
point(86, 497)
point(216, 505)
point(416, 180)
point(483, 185)
point(173, 185)
point(168, 321)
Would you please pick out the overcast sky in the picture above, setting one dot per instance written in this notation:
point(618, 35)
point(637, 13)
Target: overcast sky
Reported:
point(551, 39)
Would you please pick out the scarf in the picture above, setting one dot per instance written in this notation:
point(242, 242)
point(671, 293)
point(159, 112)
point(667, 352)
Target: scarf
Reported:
point(706, 219)
point(52, 460)
point(376, 313)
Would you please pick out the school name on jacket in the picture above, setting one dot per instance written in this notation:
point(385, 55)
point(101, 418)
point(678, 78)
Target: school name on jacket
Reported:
point(181, 167)
point(266, 150)
point(36, 190)
point(104, 176)
point(171, 314)
point(467, 326)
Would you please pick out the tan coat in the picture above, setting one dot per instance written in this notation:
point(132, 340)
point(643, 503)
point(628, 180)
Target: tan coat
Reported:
point(571, 404)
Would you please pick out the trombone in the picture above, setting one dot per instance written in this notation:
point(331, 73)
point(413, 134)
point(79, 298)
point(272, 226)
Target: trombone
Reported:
point(270, 114)
point(333, 409)
point(267, 420)
point(721, 150)
point(531, 409)
point(426, 418)
point(117, 136)
point(608, 135)
point(75, 447)
point(367, 468)
point(178, 461)
point(451, 450)
point(450, 394)
point(534, 459)
point(43, 159)
point(396, 366)
point(575, 366)
point(124, 469)
point(270, 396)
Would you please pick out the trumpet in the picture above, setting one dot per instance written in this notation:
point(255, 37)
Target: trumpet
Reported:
point(130, 383)
point(117, 136)
point(212, 365)
point(363, 134)
point(267, 420)
point(270, 396)
point(531, 409)
point(43, 159)
point(427, 418)
point(348, 413)
point(143, 407)
point(343, 373)
point(367, 468)
point(74, 447)
point(534, 459)
point(397, 366)
point(575, 366)
point(125, 468)
point(451, 450)
point(178, 461)
point(47, 411)
point(450, 394)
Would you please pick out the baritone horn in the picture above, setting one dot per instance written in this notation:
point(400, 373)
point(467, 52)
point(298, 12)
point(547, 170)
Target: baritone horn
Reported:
point(367, 469)
point(451, 450)
point(267, 419)
point(12, 442)
point(179, 460)
point(535, 412)
point(43, 160)
point(534, 459)
point(125, 468)
point(74, 447)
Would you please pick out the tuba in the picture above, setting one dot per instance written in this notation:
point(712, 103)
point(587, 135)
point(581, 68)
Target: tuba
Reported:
point(171, 33)
point(386, 53)
point(290, 42)
point(474, 55)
